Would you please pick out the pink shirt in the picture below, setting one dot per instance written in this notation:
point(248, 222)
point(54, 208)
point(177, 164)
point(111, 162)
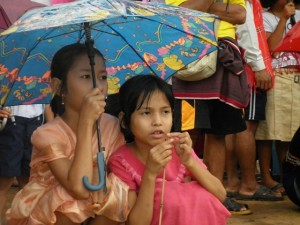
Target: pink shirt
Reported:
point(185, 203)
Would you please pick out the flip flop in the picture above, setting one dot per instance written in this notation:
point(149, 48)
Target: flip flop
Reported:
point(262, 194)
point(231, 194)
point(277, 188)
point(236, 208)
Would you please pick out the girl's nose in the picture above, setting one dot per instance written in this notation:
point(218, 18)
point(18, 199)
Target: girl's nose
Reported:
point(157, 120)
point(102, 85)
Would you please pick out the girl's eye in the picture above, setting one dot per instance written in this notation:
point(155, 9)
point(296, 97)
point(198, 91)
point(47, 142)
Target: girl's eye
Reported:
point(102, 77)
point(167, 111)
point(87, 76)
point(146, 113)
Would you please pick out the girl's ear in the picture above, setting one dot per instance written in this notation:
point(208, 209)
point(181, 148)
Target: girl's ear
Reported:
point(56, 86)
point(121, 119)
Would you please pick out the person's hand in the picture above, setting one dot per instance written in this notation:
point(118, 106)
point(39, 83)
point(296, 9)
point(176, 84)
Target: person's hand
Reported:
point(183, 145)
point(159, 156)
point(4, 113)
point(289, 10)
point(263, 80)
point(93, 105)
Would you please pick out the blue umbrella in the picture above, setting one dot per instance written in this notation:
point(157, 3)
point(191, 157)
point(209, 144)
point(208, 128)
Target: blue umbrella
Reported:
point(134, 37)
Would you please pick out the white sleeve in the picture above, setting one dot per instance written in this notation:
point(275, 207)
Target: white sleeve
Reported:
point(247, 39)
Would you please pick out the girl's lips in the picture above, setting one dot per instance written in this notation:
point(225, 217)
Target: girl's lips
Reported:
point(158, 134)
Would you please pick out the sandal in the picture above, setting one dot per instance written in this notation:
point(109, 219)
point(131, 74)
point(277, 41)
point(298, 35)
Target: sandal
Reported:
point(232, 194)
point(262, 194)
point(236, 208)
point(278, 188)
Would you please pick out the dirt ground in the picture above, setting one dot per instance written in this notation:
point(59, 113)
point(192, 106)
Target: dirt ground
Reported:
point(264, 213)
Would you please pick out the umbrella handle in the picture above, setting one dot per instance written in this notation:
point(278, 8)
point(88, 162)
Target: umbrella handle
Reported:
point(102, 175)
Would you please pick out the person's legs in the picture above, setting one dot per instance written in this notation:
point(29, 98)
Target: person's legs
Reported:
point(225, 120)
point(264, 149)
point(214, 154)
point(233, 181)
point(246, 154)
point(5, 183)
point(11, 145)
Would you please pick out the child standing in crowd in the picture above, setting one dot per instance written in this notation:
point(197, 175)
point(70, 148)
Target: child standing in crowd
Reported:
point(283, 105)
point(165, 177)
point(17, 125)
point(65, 149)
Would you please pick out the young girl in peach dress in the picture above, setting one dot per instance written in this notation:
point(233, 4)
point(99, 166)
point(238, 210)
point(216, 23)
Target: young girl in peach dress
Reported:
point(65, 150)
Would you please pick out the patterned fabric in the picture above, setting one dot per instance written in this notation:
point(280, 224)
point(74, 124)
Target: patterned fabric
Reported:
point(135, 39)
point(229, 84)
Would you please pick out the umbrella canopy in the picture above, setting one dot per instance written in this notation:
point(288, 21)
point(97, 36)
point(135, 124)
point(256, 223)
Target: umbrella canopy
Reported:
point(291, 41)
point(134, 37)
point(11, 10)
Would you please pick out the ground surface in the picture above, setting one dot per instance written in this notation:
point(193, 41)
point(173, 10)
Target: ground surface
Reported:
point(264, 213)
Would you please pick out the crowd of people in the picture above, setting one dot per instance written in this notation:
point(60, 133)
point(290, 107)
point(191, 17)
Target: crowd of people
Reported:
point(50, 148)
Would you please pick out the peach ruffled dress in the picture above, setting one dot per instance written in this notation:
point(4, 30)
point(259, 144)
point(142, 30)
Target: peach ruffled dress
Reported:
point(38, 201)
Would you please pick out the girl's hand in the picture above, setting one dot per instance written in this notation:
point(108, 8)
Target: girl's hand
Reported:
point(289, 10)
point(159, 156)
point(183, 145)
point(4, 113)
point(93, 105)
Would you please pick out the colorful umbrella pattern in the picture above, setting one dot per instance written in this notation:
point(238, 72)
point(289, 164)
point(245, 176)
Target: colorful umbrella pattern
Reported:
point(134, 37)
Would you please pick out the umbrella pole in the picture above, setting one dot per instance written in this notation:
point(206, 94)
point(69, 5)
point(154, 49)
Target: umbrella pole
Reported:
point(162, 198)
point(100, 156)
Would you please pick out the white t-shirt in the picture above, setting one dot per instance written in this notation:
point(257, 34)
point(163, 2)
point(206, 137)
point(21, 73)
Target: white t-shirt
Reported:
point(27, 111)
point(247, 39)
point(271, 21)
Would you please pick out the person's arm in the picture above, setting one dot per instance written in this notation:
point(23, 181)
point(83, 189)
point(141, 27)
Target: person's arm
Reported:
point(4, 113)
point(234, 14)
point(248, 40)
point(211, 183)
point(184, 150)
point(142, 205)
point(68, 172)
point(200, 5)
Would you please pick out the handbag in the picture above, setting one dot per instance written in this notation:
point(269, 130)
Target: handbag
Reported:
point(199, 69)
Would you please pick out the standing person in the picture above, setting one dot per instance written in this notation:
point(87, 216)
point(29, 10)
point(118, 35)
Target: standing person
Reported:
point(229, 79)
point(15, 144)
point(65, 150)
point(187, 190)
point(283, 106)
point(259, 72)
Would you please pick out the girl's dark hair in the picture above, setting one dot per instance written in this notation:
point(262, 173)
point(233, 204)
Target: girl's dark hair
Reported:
point(62, 62)
point(268, 3)
point(271, 3)
point(134, 92)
